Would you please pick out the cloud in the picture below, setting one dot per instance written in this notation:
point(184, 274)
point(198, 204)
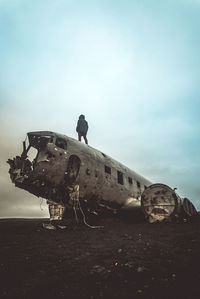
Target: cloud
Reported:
point(15, 202)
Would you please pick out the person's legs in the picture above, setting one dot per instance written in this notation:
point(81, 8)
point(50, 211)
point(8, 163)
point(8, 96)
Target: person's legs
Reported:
point(85, 138)
point(79, 137)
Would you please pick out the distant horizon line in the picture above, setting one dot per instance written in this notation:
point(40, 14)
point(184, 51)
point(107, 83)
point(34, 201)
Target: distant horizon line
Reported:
point(4, 218)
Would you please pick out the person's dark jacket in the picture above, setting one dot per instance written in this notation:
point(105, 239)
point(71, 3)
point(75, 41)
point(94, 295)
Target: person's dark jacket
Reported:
point(82, 125)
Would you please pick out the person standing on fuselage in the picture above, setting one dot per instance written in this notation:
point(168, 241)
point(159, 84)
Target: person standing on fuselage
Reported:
point(82, 128)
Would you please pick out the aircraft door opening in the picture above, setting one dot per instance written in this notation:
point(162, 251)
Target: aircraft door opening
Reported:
point(73, 168)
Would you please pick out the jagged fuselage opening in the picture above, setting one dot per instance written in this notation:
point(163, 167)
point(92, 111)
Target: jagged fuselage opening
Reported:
point(42, 167)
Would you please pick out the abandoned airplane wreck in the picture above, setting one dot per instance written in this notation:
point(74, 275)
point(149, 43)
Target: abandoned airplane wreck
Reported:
point(70, 174)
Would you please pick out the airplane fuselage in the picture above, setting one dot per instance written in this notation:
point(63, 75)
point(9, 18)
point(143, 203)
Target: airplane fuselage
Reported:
point(65, 170)
point(62, 161)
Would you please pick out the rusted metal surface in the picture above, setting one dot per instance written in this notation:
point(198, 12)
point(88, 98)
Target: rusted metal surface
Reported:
point(159, 202)
point(61, 162)
point(188, 208)
point(56, 211)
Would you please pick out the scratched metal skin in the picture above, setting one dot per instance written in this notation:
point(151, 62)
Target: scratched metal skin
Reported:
point(161, 203)
point(61, 162)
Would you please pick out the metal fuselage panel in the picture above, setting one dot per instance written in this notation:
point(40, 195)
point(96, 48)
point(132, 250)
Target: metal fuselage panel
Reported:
point(95, 181)
point(101, 178)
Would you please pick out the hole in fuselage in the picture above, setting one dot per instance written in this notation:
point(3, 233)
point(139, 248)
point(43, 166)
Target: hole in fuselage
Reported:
point(32, 154)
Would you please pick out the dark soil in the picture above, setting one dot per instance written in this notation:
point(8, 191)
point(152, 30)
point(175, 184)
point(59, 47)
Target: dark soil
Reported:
point(122, 260)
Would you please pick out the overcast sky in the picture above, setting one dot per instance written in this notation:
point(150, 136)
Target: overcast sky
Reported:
point(131, 67)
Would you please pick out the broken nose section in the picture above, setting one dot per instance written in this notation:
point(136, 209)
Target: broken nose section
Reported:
point(22, 175)
point(20, 169)
point(25, 176)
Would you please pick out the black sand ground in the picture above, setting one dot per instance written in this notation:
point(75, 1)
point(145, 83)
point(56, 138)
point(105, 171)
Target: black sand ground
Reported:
point(123, 260)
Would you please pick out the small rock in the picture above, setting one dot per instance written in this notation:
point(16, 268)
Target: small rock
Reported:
point(62, 226)
point(116, 263)
point(98, 269)
point(141, 269)
point(49, 226)
point(119, 250)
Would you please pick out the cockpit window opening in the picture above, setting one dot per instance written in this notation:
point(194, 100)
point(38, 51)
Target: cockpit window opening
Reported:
point(107, 169)
point(40, 141)
point(43, 140)
point(32, 153)
point(120, 177)
point(130, 180)
point(61, 143)
point(138, 184)
point(87, 171)
point(104, 155)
